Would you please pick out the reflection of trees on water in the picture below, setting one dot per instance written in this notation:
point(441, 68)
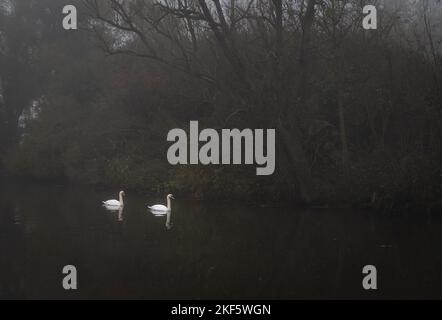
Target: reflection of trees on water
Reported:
point(12, 250)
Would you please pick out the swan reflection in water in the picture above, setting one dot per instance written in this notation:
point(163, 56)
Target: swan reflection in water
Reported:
point(118, 209)
point(160, 213)
point(120, 214)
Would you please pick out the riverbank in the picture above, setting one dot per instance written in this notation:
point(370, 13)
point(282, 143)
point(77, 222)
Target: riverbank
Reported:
point(411, 185)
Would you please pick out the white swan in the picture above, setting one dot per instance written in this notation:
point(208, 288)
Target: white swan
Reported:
point(162, 208)
point(115, 203)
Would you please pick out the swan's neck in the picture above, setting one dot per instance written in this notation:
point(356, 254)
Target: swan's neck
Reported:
point(121, 199)
point(169, 205)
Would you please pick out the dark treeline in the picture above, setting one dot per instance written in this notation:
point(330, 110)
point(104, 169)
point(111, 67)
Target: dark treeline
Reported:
point(357, 112)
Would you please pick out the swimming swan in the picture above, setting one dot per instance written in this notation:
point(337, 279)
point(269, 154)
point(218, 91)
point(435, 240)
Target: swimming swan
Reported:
point(115, 203)
point(163, 208)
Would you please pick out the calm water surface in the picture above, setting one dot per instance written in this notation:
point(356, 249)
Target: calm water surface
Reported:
point(211, 250)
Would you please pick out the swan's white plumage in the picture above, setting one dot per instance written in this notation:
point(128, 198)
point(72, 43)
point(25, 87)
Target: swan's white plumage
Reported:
point(112, 203)
point(162, 208)
point(158, 207)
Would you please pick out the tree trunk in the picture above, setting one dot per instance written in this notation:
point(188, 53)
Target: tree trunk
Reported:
point(299, 168)
point(289, 133)
point(342, 129)
point(9, 131)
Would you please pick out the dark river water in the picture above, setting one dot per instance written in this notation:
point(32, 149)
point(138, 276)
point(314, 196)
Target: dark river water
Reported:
point(209, 250)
